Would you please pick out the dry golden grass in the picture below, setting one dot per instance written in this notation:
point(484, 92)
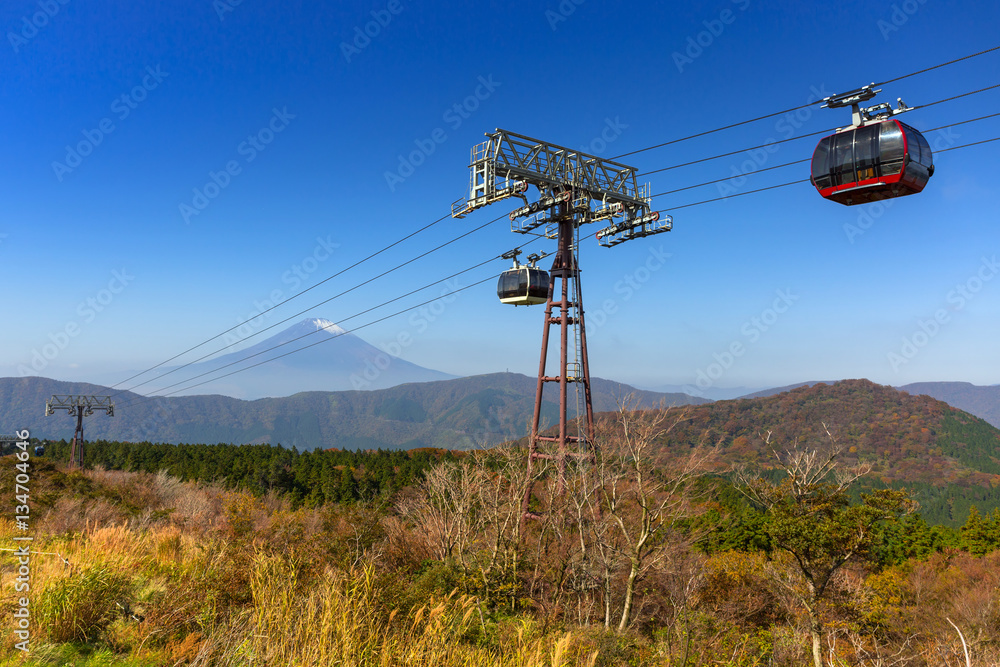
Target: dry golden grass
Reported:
point(340, 621)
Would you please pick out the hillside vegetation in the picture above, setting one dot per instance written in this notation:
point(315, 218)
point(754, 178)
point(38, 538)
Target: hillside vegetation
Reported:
point(948, 459)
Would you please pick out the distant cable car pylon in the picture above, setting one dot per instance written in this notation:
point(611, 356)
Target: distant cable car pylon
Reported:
point(574, 189)
point(79, 406)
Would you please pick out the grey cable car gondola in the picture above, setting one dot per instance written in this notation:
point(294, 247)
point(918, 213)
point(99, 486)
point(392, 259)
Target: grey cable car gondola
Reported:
point(523, 285)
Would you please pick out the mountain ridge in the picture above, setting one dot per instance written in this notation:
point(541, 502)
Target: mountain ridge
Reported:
point(455, 414)
point(983, 401)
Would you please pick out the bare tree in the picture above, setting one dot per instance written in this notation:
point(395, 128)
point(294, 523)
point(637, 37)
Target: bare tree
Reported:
point(644, 492)
point(445, 509)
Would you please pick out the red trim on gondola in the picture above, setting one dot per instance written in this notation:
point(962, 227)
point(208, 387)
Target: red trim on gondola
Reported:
point(867, 183)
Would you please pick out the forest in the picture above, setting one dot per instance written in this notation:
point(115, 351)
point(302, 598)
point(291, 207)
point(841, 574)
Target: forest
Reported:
point(654, 551)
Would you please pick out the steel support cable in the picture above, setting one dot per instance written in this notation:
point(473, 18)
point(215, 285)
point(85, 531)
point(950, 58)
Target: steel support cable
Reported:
point(806, 180)
point(311, 333)
point(742, 150)
point(143, 399)
point(811, 134)
point(739, 194)
point(719, 180)
point(949, 99)
point(974, 143)
point(788, 164)
point(773, 187)
point(384, 303)
point(928, 69)
point(718, 129)
point(305, 310)
point(802, 106)
point(294, 296)
point(706, 201)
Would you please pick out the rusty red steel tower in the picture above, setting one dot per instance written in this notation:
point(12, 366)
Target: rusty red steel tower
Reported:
point(574, 189)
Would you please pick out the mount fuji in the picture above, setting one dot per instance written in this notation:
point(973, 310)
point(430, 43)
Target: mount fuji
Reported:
point(326, 358)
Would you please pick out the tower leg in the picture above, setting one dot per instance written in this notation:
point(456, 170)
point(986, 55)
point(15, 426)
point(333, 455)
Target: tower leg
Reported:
point(76, 449)
point(564, 269)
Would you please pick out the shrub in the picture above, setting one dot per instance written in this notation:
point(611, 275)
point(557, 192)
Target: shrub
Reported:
point(80, 607)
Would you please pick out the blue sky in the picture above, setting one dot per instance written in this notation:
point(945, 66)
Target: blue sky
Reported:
point(171, 169)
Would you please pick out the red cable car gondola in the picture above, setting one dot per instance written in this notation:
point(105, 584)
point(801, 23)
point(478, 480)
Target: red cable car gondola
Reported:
point(876, 158)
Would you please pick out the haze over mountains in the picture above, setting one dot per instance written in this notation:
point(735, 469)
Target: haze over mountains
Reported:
point(336, 390)
point(457, 414)
point(326, 358)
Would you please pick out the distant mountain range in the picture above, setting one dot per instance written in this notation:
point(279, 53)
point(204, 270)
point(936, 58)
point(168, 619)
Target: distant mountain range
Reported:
point(713, 393)
point(984, 402)
point(948, 458)
point(327, 358)
point(456, 414)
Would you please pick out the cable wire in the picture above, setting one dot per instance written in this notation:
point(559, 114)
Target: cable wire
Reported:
point(435, 222)
point(811, 134)
point(949, 99)
point(718, 129)
point(806, 180)
point(742, 150)
point(974, 143)
point(788, 164)
point(294, 296)
point(288, 342)
point(719, 180)
point(143, 399)
point(928, 69)
point(384, 303)
point(801, 106)
point(305, 310)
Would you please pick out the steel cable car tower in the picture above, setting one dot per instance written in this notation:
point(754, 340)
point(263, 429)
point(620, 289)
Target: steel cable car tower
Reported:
point(79, 406)
point(574, 189)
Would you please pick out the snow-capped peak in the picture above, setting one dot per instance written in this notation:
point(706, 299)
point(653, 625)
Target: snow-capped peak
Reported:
point(331, 327)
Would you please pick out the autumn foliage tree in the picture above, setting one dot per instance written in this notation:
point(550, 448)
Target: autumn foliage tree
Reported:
point(811, 517)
